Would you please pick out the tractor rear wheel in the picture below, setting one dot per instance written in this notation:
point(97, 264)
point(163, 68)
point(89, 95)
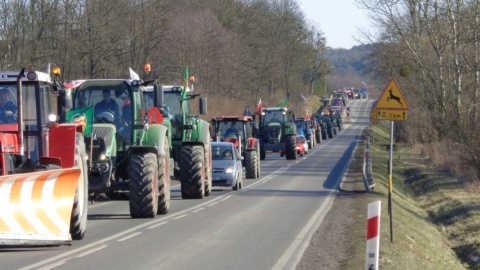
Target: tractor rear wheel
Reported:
point(192, 172)
point(263, 154)
point(310, 141)
point(208, 170)
point(164, 182)
point(291, 147)
point(78, 223)
point(251, 164)
point(318, 136)
point(143, 185)
point(324, 134)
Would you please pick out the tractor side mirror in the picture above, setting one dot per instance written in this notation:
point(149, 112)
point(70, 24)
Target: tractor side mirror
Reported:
point(157, 96)
point(203, 105)
point(68, 100)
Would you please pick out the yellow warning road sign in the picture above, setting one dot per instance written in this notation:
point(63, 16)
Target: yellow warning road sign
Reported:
point(392, 98)
point(395, 115)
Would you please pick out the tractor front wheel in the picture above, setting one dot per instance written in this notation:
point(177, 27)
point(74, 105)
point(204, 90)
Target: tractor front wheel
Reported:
point(291, 147)
point(143, 185)
point(251, 164)
point(192, 172)
point(78, 223)
point(164, 182)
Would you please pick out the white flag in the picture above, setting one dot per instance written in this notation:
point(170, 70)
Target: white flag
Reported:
point(133, 75)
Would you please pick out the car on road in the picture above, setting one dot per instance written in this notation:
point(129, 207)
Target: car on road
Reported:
point(302, 146)
point(227, 170)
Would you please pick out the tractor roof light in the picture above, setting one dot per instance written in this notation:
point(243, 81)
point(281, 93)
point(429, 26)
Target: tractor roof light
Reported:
point(137, 82)
point(32, 75)
point(56, 71)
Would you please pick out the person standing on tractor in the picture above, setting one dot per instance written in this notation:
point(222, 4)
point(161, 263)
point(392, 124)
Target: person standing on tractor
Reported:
point(8, 108)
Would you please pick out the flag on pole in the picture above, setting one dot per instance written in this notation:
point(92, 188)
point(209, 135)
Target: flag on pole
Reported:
point(259, 106)
point(82, 116)
point(133, 75)
point(185, 83)
point(283, 103)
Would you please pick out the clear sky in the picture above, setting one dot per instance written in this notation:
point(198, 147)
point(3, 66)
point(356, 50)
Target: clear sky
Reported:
point(339, 20)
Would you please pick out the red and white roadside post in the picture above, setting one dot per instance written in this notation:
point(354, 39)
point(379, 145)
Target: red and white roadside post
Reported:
point(373, 236)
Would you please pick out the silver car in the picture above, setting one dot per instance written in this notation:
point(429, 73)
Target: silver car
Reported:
point(227, 165)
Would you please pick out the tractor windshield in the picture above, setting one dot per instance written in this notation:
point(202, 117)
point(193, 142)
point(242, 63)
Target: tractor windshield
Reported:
point(36, 107)
point(273, 116)
point(230, 129)
point(111, 101)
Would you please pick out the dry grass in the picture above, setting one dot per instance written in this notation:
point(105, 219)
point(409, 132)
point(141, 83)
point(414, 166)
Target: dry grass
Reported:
point(433, 219)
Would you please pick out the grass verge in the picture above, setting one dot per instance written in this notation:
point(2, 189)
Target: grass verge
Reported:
point(433, 218)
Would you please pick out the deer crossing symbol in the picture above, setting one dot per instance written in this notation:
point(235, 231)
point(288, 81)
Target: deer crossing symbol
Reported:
point(392, 96)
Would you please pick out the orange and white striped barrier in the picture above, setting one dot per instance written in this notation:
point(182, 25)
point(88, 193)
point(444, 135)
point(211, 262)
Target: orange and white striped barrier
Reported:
point(373, 235)
point(36, 208)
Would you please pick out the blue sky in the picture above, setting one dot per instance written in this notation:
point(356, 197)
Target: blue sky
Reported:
point(339, 20)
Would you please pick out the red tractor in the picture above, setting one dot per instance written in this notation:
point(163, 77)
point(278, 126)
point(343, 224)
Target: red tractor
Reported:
point(43, 165)
point(238, 130)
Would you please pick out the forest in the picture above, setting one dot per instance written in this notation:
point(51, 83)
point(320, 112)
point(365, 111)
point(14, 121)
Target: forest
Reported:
point(239, 51)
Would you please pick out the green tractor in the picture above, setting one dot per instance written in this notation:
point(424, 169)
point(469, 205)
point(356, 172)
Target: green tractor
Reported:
point(277, 131)
point(128, 155)
point(190, 137)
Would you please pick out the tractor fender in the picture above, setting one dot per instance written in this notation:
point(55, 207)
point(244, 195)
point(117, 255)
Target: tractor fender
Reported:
point(155, 135)
point(61, 144)
point(201, 134)
point(252, 143)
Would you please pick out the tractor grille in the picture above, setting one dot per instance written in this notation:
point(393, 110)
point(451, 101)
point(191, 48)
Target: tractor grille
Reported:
point(105, 133)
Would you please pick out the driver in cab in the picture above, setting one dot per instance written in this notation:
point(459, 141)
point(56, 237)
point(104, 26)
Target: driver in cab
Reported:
point(107, 105)
point(8, 108)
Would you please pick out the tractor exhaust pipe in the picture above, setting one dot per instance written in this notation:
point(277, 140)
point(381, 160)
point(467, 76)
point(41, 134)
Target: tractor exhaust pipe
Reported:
point(20, 111)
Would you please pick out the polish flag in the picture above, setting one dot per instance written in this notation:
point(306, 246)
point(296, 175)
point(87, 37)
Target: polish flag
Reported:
point(259, 107)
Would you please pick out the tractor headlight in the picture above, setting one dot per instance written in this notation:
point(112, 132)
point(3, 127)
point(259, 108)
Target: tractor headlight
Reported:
point(103, 157)
point(52, 118)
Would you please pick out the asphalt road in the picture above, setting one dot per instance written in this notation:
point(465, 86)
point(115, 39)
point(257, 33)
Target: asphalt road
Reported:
point(266, 225)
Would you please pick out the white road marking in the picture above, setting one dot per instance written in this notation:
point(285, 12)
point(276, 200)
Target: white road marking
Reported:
point(128, 237)
point(198, 210)
point(157, 225)
point(181, 216)
point(91, 251)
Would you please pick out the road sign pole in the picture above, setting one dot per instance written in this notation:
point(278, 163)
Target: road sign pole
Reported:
point(390, 183)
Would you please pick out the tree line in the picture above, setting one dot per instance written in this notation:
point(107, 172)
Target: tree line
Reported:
point(433, 48)
point(240, 49)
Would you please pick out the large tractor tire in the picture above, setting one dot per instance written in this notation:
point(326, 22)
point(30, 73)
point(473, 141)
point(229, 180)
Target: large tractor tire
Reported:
point(208, 170)
point(318, 136)
point(251, 164)
point(192, 172)
point(310, 141)
point(143, 185)
point(164, 182)
point(78, 223)
point(291, 147)
point(263, 153)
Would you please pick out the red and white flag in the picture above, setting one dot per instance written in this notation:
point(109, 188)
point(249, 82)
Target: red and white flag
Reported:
point(259, 107)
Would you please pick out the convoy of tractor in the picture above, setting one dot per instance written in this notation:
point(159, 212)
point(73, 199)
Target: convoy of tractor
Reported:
point(64, 144)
